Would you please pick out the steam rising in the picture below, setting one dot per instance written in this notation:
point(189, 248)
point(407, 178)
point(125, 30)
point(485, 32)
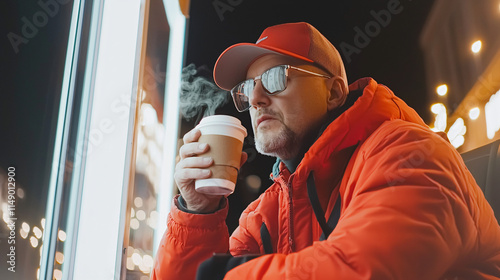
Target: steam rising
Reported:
point(199, 95)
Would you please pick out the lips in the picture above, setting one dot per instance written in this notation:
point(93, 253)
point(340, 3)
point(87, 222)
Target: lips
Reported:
point(264, 118)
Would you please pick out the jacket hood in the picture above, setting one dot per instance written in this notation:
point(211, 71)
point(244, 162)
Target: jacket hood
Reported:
point(375, 106)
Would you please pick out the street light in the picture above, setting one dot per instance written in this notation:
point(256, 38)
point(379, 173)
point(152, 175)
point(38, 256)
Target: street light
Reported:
point(441, 117)
point(442, 90)
point(474, 113)
point(476, 46)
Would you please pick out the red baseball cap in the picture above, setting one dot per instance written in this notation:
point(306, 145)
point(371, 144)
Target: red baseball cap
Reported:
point(300, 40)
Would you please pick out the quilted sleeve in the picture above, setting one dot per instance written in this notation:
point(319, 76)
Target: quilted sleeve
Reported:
point(189, 240)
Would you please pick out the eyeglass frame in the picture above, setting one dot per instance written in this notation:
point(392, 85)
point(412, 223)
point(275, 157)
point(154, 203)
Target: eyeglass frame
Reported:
point(259, 77)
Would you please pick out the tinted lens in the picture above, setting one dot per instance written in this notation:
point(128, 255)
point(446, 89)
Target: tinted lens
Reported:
point(274, 79)
point(241, 93)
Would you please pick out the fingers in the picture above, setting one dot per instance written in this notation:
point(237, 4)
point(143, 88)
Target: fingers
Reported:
point(192, 168)
point(195, 162)
point(192, 149)
point(189, 174)
point(192, 136)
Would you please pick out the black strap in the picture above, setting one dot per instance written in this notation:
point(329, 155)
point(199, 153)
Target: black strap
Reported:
point(216, 267)
point(334, 217)
point(316, 205)
point(266, 239)
point(318, 211)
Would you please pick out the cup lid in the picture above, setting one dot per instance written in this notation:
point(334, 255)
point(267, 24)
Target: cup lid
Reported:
point(223, 120)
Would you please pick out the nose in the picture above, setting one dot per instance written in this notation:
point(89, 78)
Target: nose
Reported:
point(259, 97)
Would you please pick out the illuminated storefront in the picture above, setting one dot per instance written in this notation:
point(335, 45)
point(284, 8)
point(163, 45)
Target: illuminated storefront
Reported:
point(462, 56)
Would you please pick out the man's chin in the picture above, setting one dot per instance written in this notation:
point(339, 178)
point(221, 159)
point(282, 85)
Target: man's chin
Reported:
point(268, 152)
point(282, 153)
point(274, 147)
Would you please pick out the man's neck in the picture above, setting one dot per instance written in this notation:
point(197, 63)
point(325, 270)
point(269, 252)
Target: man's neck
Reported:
point(292, 163)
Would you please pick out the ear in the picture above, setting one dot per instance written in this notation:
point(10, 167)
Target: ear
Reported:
point(337, 94)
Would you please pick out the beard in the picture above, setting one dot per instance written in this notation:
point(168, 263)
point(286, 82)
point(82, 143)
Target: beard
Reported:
point(282, 143)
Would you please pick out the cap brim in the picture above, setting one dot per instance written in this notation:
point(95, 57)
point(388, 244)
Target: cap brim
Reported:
point(232, 65)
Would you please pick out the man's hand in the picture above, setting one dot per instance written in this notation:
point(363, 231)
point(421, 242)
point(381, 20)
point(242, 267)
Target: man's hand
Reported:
point(191, 167)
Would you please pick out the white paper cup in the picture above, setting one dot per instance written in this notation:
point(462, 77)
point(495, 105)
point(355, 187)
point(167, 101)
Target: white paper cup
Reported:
point(225, 135)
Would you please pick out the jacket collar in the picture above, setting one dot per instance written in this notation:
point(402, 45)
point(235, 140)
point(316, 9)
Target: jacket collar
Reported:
point(354, 125)
point(351, 98)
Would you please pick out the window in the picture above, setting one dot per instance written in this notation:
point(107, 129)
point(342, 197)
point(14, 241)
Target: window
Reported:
point(89, 91)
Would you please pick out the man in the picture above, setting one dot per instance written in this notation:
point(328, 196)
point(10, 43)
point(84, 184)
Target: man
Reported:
point(362, 188)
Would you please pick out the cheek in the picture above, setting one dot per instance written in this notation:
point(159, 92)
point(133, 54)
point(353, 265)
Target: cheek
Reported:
point(309, 108)
point(312, 102)
point(296, 116)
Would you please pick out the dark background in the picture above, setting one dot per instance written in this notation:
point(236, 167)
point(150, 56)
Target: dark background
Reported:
point(392, 56)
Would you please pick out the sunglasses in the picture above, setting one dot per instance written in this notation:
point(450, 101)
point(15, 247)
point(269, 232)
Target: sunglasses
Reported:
point(274, 81)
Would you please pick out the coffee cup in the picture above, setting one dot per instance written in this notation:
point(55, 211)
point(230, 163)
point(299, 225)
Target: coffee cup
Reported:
point(225, 135)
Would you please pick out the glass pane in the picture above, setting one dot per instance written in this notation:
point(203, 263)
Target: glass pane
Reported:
point(105, 171)
point(32, 70)
point(149, 130)
point(63, 254)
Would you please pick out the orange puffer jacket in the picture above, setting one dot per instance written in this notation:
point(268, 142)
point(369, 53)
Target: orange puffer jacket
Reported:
point(410, 209)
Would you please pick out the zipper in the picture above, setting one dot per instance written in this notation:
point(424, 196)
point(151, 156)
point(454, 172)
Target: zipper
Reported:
point(290, 202)
point(290, 215)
